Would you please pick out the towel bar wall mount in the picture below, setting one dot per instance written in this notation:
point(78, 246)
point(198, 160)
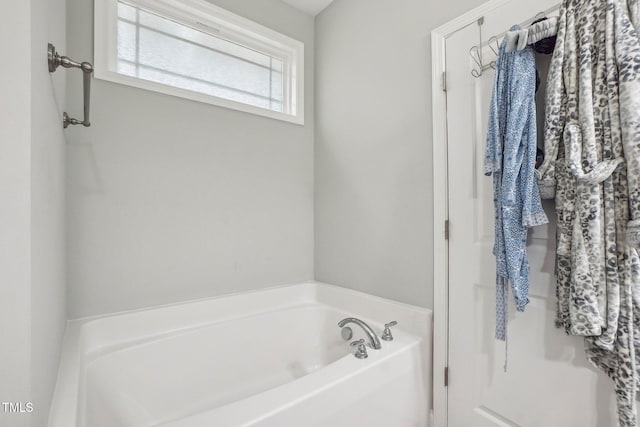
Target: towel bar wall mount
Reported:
point(55, 60)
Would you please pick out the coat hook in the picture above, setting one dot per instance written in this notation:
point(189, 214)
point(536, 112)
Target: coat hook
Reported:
point(494, 45)
point(476, 51)
point(476, 55)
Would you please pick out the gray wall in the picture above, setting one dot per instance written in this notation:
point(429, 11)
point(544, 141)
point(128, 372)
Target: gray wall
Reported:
point(32, 282)
point(373, 180)
point(15, 245)
point(170, 199)
point(48, 276)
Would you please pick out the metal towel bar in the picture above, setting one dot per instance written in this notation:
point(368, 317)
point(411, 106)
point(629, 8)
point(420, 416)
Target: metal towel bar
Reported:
point(55, 60)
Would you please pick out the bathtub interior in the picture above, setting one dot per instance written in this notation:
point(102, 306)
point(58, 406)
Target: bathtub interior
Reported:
point(260, 358)
point(172, 377)
point(387, 389)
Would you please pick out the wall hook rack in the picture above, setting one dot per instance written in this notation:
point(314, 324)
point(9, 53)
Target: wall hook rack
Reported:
point(54, 61)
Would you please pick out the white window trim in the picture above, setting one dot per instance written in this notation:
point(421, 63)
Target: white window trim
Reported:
point(193, 11)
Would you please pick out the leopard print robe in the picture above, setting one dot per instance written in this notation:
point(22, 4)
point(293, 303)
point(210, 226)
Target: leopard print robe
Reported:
point(592, 167)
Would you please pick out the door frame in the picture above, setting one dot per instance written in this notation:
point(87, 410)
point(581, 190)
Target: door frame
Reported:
point(441, 203)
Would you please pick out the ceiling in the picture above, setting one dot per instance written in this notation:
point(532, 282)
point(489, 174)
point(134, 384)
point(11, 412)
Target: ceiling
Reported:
point(312, 7)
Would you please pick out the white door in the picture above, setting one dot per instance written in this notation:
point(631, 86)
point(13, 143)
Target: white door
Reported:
point(548, 383)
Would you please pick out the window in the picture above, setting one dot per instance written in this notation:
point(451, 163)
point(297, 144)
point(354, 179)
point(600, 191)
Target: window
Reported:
point(195, 50)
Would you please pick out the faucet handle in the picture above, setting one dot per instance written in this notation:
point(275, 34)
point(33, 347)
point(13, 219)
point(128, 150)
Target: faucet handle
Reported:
point(361, 349)
point(386, 334)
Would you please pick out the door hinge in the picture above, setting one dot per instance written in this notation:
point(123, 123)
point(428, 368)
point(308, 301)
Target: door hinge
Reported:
point(446, 376)
point(446, 229)
point(444, 81)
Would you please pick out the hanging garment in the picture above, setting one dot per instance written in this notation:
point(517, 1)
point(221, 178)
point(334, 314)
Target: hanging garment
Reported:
point(592, 167)
point(510, 157)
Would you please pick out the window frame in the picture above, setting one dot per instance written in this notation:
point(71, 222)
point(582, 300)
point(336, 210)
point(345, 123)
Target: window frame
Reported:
point(204, 16)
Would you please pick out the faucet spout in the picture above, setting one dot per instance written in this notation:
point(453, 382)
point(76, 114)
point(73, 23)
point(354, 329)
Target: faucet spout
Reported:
point(373, 338)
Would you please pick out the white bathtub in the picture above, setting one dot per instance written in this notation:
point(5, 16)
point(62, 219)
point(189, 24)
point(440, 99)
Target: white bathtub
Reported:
point(264, 358)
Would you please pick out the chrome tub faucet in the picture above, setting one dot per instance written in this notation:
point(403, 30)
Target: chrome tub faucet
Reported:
point(374, 342)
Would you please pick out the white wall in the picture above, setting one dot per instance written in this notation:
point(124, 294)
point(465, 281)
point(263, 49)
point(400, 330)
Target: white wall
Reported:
point(373, 179)
point(32, 282)
point(170, 199)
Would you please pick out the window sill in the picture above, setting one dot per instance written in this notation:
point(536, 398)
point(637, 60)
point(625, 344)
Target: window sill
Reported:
point(196, 96)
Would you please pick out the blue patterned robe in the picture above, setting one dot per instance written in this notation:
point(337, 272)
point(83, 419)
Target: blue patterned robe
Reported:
point(510, 156)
